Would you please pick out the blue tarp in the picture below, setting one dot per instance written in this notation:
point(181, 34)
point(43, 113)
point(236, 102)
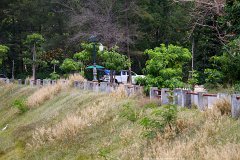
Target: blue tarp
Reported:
point(106, 71)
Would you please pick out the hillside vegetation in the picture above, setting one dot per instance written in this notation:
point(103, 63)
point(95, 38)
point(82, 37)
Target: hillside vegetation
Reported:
point(66, 123)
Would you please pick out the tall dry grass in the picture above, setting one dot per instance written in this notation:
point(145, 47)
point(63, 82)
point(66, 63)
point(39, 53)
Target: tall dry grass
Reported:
point(223, 105)
point(43, 94)
point(72, 124)
point(119, 93)
point(202, 143)
point(75, 77)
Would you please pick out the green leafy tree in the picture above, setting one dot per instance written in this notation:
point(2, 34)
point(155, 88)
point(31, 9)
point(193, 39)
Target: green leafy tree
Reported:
point(55, 63)
point(54, 75)
point(228, 64)
point(34, 43)
point(3, 53)
point(114, 61)
point(85, 56)
point(69, 65)
point(213, 76)
point(165, 66)
point(193, 80)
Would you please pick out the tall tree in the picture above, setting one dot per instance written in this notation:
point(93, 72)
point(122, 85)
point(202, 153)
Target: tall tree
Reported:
point(34, 42)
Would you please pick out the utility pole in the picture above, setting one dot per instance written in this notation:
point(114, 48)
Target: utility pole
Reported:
point(34, 61)
point(13, 65)
point(193, 47)
point(128, 47)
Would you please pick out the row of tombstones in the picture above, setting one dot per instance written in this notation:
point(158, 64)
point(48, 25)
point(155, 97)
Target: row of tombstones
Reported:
point(86, 85)
point(108, 87)
point(40, 82)
point(187, 98)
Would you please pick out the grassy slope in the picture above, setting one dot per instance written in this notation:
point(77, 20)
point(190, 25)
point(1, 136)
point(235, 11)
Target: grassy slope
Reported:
point(106, 134)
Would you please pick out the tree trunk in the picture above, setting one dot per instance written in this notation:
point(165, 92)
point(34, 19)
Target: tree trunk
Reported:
point(13, 65)
point(34, 62)
point(193, 46)
point(128, 47)
point(111, 76)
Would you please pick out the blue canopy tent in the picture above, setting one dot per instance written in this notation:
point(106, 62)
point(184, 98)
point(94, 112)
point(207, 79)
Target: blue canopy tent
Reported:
point(97, 66)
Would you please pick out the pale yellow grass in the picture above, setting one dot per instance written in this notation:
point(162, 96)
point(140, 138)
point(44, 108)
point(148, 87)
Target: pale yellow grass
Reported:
point(198, 146)
point(75, 77)
point(224, 106)
point(119, 93)
point(72, 124)
point(132, 141)
point(43, 94)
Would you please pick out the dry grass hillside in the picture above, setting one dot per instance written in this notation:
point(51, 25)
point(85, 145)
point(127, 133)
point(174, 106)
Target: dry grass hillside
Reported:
point(64, 123)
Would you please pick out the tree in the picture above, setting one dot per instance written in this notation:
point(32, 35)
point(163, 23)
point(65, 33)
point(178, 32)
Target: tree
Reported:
point(54, 62)
point(85, 56)
point(34, 43)
point(3, 53)
point(114, 61)
point(228, 63)
point(69, 65)
point(165, 66)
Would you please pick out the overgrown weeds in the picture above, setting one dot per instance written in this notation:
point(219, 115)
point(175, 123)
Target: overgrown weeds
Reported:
point(43, 94)
point(20, 104)
point(119, 93)
point(128, 112)
point(224, 106)
point(159, 120)
point(203, 139)
point(72, 124)
point(75, 77)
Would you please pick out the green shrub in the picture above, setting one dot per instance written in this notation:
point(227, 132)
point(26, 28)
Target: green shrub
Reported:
point(161, 118)
point(213, 76)
point(129, 113)
point(54, 76)
point(20, 104)
point(104, 152)
point(237, 87)
point(151, 105)
point(193, 80)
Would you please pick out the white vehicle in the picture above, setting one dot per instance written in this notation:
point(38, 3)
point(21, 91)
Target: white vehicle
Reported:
point(3, 77)
point(122, 77)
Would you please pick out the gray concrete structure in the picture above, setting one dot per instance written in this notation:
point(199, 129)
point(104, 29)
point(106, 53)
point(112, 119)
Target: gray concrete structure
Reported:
point(95, 86)
point(177, 97)
point(85, 84)
point(38, 82)
point(81, 85)
point(32, 82)
point(7, 81)
point(186, 99)
point(153, 92)
point(90, 85)
point(202, 101)
point(54, 82)
point(129, 89)
point(235, 99)
point(103, 86)
point(45, 82)
point(76, 84)
point(165, 95)
point(20, 81)
point(109, 88)
point(26, 82)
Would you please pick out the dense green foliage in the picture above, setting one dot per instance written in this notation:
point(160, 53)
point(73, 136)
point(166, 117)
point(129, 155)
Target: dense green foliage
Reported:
point(70, 65)
point(61, 29)
point(3, 53)
point(165, 66)
point(161, 118)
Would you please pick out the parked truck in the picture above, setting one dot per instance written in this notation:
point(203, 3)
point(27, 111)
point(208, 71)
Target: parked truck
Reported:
point(122, 77)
